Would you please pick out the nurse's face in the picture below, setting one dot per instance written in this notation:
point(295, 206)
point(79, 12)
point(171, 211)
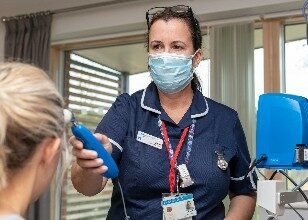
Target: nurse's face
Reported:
point(172, 36)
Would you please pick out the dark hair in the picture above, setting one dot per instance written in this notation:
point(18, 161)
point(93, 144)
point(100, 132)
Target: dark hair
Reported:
point(195, 31)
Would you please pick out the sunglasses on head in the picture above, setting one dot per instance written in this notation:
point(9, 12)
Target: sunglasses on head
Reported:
point(177, 9)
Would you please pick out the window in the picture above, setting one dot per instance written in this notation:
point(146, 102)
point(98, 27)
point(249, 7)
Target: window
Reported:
point(296, 75)
point(258, 65)
point(296, 62)
point(90, 89)
point(138, 81)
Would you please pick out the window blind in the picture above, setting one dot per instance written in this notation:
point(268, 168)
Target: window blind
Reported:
point(89, 90)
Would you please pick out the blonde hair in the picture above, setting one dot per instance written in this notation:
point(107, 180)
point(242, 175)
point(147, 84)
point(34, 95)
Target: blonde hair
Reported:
point(31, 110)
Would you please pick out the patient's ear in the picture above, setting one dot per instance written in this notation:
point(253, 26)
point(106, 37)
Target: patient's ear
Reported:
point(50, 149)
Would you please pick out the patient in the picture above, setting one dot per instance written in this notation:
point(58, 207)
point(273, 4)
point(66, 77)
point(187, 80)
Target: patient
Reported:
point(31, 136)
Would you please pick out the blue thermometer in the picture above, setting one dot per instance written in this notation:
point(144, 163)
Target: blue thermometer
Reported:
point(91, 143)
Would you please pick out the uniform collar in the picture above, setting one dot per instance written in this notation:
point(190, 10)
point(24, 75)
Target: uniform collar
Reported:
point(150, 102)
point(150, 99)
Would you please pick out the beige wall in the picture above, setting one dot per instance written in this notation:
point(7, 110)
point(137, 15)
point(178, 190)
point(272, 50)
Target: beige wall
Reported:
point(129, 18)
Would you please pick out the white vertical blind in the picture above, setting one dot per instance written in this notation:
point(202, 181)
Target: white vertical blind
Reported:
point(232, 72)
point(90, 90)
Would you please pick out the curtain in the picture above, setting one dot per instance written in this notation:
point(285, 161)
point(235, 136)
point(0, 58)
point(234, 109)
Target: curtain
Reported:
point(232, 73)
point(27, 39)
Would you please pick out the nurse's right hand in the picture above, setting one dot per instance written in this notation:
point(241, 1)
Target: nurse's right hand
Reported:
point(87, 159)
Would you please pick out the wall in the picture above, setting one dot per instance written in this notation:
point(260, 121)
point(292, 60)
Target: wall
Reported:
point(129, 18)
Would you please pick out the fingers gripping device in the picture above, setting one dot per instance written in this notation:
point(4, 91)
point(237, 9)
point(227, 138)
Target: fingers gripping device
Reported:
point(89, 141)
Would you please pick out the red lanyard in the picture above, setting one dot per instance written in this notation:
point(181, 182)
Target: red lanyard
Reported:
point(175, 156)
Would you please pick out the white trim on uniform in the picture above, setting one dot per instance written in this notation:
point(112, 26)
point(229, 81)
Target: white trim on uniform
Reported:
point(147, 107)
point(159, 112)
point(253, 184)
point(203, 113)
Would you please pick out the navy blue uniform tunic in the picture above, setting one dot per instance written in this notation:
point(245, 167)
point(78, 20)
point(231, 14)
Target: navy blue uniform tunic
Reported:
point(144, 169)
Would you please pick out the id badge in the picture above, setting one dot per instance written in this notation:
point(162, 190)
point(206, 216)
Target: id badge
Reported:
point(178, 206)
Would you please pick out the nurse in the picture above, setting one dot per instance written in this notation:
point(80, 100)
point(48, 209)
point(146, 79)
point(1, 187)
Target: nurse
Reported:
point(173, 146)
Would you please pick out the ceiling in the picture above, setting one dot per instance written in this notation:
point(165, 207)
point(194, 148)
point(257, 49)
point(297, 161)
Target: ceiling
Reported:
point(18, 7)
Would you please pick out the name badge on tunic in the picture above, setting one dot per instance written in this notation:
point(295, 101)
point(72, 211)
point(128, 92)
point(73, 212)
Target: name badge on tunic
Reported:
point(185, 179)
point(149, 140)
point(179, 206)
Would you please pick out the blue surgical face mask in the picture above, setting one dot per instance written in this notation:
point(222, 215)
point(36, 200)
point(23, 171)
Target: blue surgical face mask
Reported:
point(171, 72)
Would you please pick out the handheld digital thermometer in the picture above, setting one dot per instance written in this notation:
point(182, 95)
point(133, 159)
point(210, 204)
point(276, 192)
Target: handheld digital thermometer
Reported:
point(89, 141)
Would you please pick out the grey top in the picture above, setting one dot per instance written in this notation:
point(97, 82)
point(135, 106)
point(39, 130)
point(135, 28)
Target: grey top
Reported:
point(11, 217)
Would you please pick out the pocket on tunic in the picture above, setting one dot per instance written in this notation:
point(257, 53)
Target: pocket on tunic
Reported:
point(142, 167)
point(130, 165)
point(220, 179)
point(227, 154)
